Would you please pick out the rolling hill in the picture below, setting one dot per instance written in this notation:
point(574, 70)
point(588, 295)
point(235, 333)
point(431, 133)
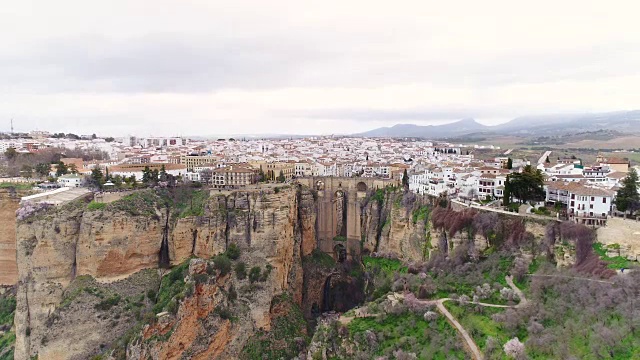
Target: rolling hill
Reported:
point(622, 121)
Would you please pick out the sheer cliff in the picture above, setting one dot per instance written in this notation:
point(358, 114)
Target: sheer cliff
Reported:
point(9, 202)
point(170, 274)
point(111, 242)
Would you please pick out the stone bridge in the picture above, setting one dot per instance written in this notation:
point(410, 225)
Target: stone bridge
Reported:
point(338, 222)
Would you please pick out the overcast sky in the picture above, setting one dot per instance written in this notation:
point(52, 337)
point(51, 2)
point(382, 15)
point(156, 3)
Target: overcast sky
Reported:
point(213, 67)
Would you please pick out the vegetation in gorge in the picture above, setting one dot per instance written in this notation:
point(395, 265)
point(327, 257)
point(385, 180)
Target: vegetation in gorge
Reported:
point(613, 262)
point(570, 316)
point(287, 336)
point(7, 336)
point(184, 201)
point(567, 314)
point(173, 288)
point(390, 329)
point(139, 203)
point(320, 258)
point(487, 333)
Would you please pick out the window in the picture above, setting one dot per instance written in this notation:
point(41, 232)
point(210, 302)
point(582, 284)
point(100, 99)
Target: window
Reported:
point(591, 206)
point(593, 199)
point(604, 200)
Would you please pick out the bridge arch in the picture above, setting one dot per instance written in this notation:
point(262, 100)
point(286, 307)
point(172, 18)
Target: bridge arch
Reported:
point(361, 186)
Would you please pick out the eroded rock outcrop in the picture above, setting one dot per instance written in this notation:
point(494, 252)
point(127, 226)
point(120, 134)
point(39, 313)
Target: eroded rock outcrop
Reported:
point(274, 230)
point(108, 244)
point(9, 202)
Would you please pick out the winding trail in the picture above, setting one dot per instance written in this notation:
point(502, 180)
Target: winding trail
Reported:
point(523, 300)
point(470, 344)
point(572, 277)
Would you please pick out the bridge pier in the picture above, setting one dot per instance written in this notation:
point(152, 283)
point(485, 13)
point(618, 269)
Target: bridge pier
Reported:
point(329, 190)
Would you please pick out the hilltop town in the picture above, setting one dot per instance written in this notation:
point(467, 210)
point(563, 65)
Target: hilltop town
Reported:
point(340, 229)
point(467, 172)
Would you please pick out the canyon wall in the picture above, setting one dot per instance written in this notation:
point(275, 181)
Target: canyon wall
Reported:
point(400, 225)
point(112, 244)
point(9, 201)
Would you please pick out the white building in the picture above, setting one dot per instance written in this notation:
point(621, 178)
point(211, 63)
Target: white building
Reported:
point(71, 180)
point(585, 204)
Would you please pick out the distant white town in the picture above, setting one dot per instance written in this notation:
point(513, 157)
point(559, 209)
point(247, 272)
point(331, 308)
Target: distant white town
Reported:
point(582, 192)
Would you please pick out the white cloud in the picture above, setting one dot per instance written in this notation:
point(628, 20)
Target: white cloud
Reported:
point(212, 67)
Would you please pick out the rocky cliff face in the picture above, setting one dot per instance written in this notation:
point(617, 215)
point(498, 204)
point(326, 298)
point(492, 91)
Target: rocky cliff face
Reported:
point(108, 244)
point(402, 225)
point(73, 259)
point(9, 200)
point(390, 227)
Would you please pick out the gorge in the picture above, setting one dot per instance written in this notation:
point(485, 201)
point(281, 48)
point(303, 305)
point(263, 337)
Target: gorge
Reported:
point(187, 273)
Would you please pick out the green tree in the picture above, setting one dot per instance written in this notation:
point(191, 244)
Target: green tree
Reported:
point(547, 160)
point(241, 270)
point(163, 173)
point(233, 251)
point(10, 154)
point(26, 171)
point(146, 175)
point(405, 179)
point(155, 174)
point(109, 139)
point(97, 178)
point(254, 274)
point(509, 163)
point(73, 169)
point(627, 197)
point(506, 200)
point(222, 264)
point(117, 181)
point(527, 185)
point(42, 169)
point(281, 177)
point(133, 181)
point(61, 169)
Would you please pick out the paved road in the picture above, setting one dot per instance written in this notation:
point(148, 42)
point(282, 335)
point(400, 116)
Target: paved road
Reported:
point(58, 196)
point(544, 157)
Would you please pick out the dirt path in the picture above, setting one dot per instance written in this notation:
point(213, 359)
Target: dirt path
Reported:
point(523, 299)
point(573, 277)
point(471, 345)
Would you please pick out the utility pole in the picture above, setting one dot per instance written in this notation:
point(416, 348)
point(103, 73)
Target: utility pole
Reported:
point(11, 126)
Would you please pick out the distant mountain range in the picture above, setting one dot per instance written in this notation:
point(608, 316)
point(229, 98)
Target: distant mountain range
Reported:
point(623, 121)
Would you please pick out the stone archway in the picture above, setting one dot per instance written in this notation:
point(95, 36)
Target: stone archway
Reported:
point(361, 186)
